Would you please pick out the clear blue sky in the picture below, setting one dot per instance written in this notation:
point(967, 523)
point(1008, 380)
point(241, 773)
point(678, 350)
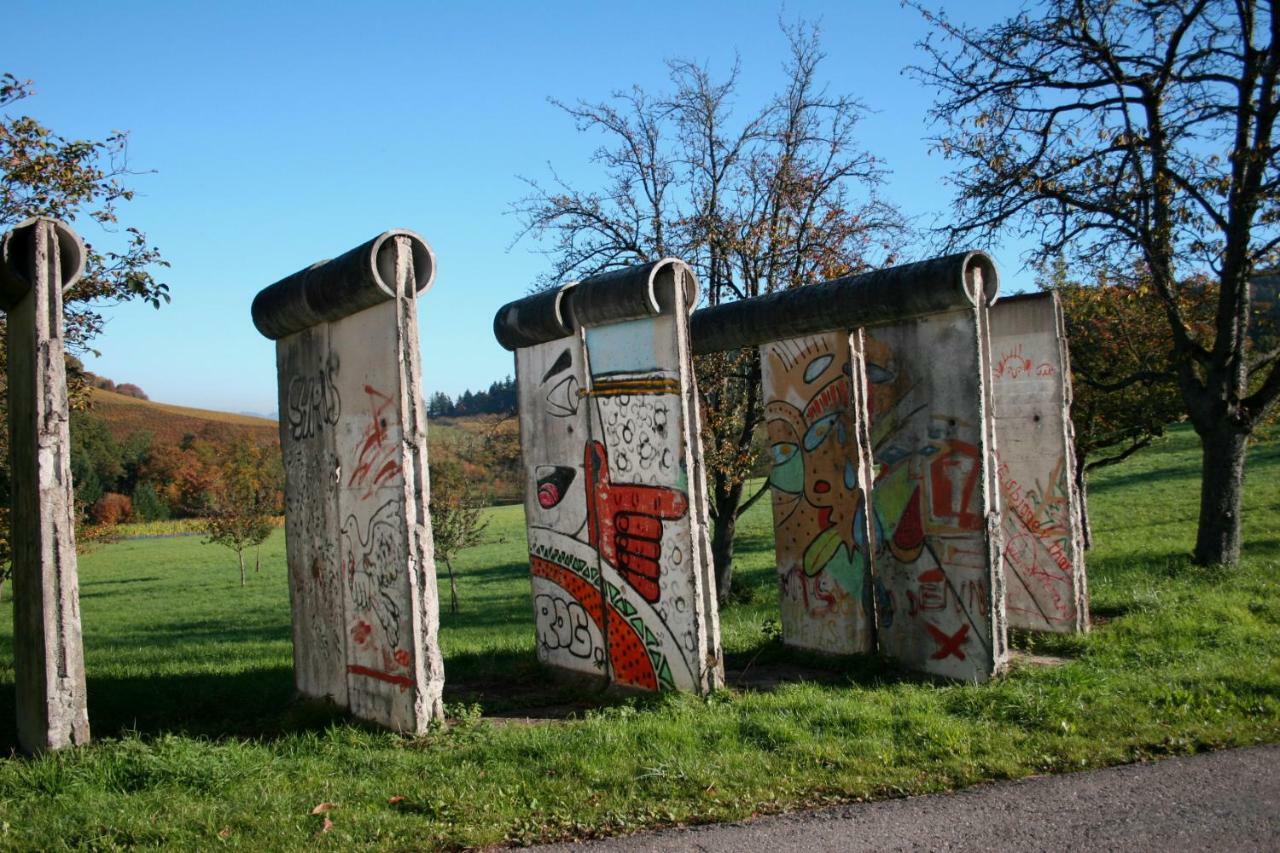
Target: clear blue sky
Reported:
point(274, 135)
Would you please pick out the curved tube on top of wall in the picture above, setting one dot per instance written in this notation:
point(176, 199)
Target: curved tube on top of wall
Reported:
point(611, 297)
point(15, 258)
point(867, 299)
point(545, 316)
point(337, 288)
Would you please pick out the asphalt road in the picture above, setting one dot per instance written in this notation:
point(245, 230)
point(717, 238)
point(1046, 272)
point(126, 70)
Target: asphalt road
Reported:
point(1226, 800)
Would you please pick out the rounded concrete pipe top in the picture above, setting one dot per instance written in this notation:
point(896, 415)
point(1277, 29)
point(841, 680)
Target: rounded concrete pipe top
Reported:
point(14, 249)
point(888, 295)
point(634, 292)
point(330, 290)
point(612, 297)
point(383, 258)
point(978, 273)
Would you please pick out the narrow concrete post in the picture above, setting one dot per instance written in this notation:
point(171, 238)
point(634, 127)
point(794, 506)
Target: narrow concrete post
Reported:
point(353, 433)
point(615, 505)
point(1042, 509)
point(42, 257)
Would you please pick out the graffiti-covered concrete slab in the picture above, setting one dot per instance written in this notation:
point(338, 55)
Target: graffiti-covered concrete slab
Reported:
point(1043, 542)
point(38, 260)
point(939, 591)
point(812, 387)
point(878, 384)
point(353, 433)
point(614, 495)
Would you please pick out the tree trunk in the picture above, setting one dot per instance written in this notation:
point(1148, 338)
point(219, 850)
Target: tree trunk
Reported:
point(453, 587)
point(240, 554)
point(723, 527)
point(257, 559)
point(1218, 538)
point(1082, 494)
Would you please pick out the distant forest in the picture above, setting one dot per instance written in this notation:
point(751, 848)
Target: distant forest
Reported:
point(499, 399)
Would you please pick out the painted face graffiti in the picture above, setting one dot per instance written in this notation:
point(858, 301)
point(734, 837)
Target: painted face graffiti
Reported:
point(816, 491)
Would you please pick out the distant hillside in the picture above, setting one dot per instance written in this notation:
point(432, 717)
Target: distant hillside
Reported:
point(170, 424)
point(487, 446)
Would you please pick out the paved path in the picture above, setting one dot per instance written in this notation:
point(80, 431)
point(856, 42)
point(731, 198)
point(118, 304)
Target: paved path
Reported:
point(1226, 800)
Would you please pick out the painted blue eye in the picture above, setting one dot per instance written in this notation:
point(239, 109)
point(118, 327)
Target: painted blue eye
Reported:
point(782, 452)
point(817, 367)
point(850, 475)
point(819, 430)
point(788, 468)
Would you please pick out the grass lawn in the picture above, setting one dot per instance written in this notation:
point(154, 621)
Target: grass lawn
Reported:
point(200, 744)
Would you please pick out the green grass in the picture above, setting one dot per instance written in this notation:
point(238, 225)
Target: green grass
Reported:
point(199, 743)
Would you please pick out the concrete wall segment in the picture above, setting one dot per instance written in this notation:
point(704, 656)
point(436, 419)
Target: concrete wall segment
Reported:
point(38, 260)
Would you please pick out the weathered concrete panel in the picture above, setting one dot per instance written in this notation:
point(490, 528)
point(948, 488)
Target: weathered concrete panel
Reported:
point(567, 602)
point(900, 410)
point(40, 258)
point(812, 387)
point(1043, 548)
point(353, 433)
point(939, 594)
point(615, 504)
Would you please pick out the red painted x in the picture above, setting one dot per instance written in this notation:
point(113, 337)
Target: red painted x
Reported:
point(948, 645)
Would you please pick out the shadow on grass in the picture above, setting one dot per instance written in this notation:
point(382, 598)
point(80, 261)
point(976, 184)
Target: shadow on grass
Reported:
point(770, 664)
point(255, 703)
point(1152, 477)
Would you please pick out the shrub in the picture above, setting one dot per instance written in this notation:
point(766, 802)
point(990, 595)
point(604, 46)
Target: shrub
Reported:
point(112, 508)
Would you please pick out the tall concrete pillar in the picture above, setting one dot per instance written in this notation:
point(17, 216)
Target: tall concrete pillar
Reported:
point(40, 258)
point(1042, 514)
point(353, 432)
point(615, 505)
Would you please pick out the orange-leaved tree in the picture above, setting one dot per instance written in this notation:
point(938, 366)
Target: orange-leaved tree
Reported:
point(44, 174)
point(245, 499)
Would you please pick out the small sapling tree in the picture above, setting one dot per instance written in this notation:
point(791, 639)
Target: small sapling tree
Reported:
point(455, 518)
point(243, 501)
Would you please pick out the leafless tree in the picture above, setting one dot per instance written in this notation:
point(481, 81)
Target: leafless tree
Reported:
point(1129, 131)
point(778, 199)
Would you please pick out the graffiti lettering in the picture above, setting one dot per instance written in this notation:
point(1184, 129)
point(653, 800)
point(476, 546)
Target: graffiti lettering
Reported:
point(313, 401)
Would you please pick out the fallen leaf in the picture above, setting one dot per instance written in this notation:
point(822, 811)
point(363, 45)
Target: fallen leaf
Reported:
point(322, 808)
point(225, 833)
point(395, 800)
point(328, 824)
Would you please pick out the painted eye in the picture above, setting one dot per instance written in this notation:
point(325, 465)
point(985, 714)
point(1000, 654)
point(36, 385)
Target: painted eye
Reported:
point(788, 468)
point(562, 399)
point(817, 367)
point(819, 430)
point(878, 374)
point(850, 475)
point(783, 452)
